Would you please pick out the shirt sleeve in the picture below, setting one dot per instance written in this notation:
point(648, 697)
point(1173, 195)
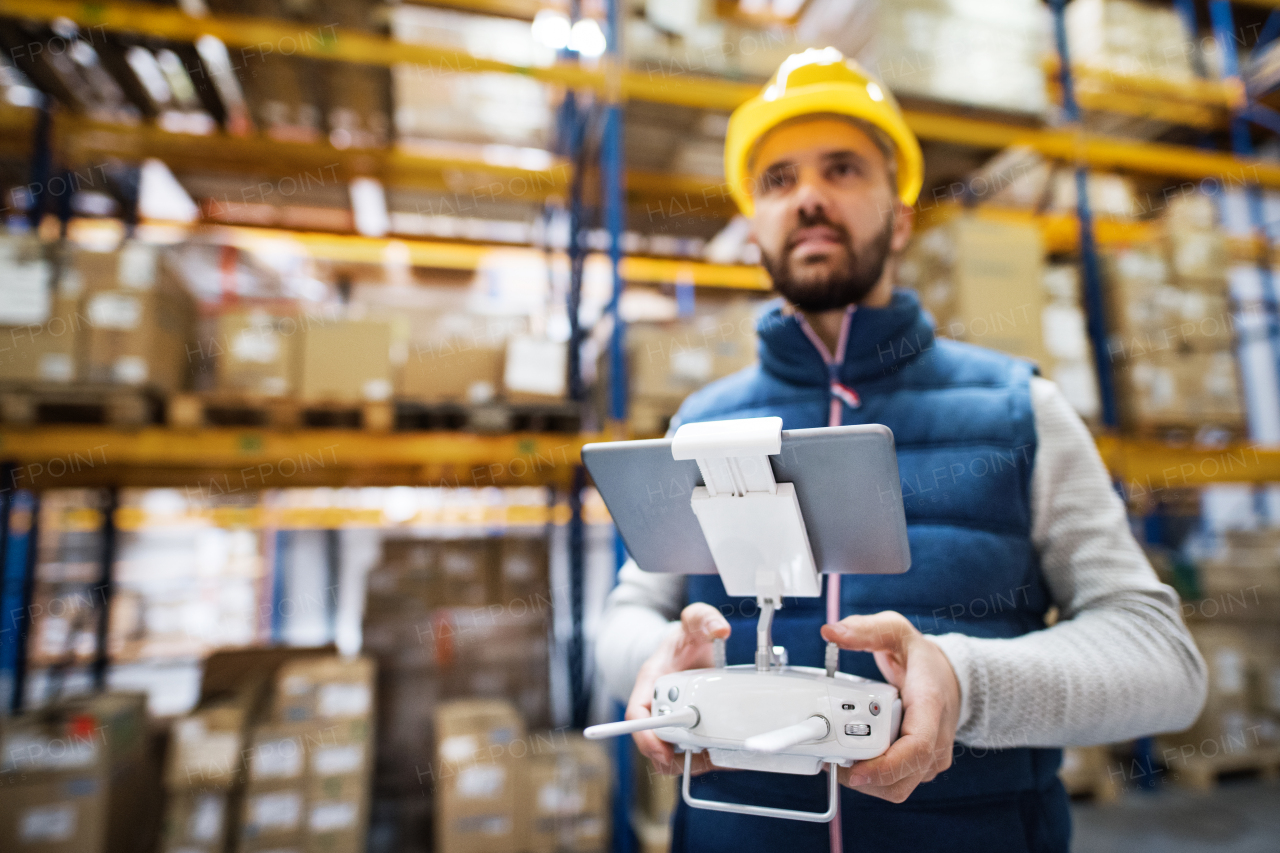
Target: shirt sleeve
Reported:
point(1119, 663)
point(638, 613)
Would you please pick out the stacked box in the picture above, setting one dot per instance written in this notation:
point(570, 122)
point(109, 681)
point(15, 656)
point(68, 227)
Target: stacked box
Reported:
point(452, 372)
point(940, 50)
point(39, 325)
point(477, 774)
point(1249, 567)
point(1241, 711)
point(307, 784)
point(204, 769)
point(431, 649)
point(1172, 331)
point(1130, 37)
point(669, 361)
point(1068, 351)
point(983, 283)
point(256, 352)
point(139, 318)
point(77, 778)
point(564, 800)
point(346, 362)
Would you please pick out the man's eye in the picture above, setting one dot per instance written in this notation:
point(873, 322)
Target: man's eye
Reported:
point(776, 180)
point(842, 170)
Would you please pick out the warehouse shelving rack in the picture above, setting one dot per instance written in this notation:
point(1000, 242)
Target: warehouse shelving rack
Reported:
point(169, 457)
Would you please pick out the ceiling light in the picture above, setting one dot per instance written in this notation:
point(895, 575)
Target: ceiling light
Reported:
point(587, 38)
point(551, 28)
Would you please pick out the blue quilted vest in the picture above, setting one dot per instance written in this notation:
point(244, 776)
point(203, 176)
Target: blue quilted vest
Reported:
point(965, 437)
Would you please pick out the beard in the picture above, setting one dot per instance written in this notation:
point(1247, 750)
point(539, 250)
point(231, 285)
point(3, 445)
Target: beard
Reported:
point(833, 281)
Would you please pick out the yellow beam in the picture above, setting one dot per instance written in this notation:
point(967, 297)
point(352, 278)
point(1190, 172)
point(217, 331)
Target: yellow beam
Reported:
point(1098, 151)
point(224, 461)
point(1061, 231)
point(443, 254)
point(1149, 466)
point(524, 9)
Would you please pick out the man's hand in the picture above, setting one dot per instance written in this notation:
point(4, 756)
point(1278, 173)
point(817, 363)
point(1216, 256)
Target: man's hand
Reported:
point(930, 703)
point(687, 647)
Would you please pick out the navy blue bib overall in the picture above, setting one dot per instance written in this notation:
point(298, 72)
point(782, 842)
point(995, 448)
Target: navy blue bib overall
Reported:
point(965, 436)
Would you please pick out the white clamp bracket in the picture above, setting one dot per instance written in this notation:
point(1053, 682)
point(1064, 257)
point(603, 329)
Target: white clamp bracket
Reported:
point(751, 522)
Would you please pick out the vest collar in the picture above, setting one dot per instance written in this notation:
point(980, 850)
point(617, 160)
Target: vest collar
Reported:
point(878, 342)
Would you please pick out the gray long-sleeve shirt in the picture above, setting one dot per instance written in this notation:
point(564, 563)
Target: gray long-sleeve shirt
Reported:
point(1118, 664)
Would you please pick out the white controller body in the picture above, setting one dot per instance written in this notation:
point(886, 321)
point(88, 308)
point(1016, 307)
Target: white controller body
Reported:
point(739, 702)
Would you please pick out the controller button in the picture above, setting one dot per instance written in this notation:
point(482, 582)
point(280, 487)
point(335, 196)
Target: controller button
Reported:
point(673, 693)
point(849, 706)
point(874, 707)
point(857, 729)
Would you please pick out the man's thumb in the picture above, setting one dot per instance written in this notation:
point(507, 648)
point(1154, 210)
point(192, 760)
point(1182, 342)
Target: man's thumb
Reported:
point(703, 620)
point(879, 632)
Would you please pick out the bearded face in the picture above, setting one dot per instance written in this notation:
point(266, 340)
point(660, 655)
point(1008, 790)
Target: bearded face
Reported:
point(827, 216)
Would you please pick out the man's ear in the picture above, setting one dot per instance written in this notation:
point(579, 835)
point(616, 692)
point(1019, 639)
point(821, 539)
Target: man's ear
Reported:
point(904, 220)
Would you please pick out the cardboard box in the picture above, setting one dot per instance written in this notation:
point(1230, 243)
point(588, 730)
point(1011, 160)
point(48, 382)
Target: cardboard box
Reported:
point(77, 776)
point(326, 689)
point(1151, 318)
point(273, 812)
point(26, 281)
point(197, 821)
point(476, 774)
point(535, 369)
point(564, 803)
point(452, 372)
point(336, 825)
point(62, 812)
point(983, 283)
point(523, 570)
point(277, 753)
point(1180, 390)
point(257, 353)
point(140, 318)
point(466, 571)
point(346, 362)
point(669, 361)
point(207, 746)
point(42, 352)
point(1198, 254)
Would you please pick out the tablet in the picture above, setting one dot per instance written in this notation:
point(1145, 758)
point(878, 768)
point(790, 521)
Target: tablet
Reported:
point(846, 480)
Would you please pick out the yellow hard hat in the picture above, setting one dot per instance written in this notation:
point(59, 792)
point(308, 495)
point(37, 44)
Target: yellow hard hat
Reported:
point(819, 81)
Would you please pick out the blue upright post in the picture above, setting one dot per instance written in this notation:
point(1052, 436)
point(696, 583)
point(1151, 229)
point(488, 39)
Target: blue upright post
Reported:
point(612, 171)
point(1092, 273)
point(19, 513)
point(106, 586)
point(279, 584)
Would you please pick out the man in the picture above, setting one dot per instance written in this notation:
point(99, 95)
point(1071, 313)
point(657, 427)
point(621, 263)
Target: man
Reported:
point(1010, 515)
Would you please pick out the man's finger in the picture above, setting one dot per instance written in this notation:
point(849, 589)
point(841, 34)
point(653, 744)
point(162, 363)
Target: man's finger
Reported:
point(879, 632)
point(909, 755)
point(703, 620)
point(657, 751)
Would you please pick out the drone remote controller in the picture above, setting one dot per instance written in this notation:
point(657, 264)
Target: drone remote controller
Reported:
point(764, 716)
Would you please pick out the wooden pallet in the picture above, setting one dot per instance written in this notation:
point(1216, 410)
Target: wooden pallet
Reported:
point(497, 417)
point(1194, 434)
point(1201, 772)
point(191, 411)
point(97, 404)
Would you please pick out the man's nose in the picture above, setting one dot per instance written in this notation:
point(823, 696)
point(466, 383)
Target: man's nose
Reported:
point(810, 197)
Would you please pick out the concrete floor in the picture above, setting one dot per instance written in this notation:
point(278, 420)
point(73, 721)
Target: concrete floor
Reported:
point(1237, 817)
